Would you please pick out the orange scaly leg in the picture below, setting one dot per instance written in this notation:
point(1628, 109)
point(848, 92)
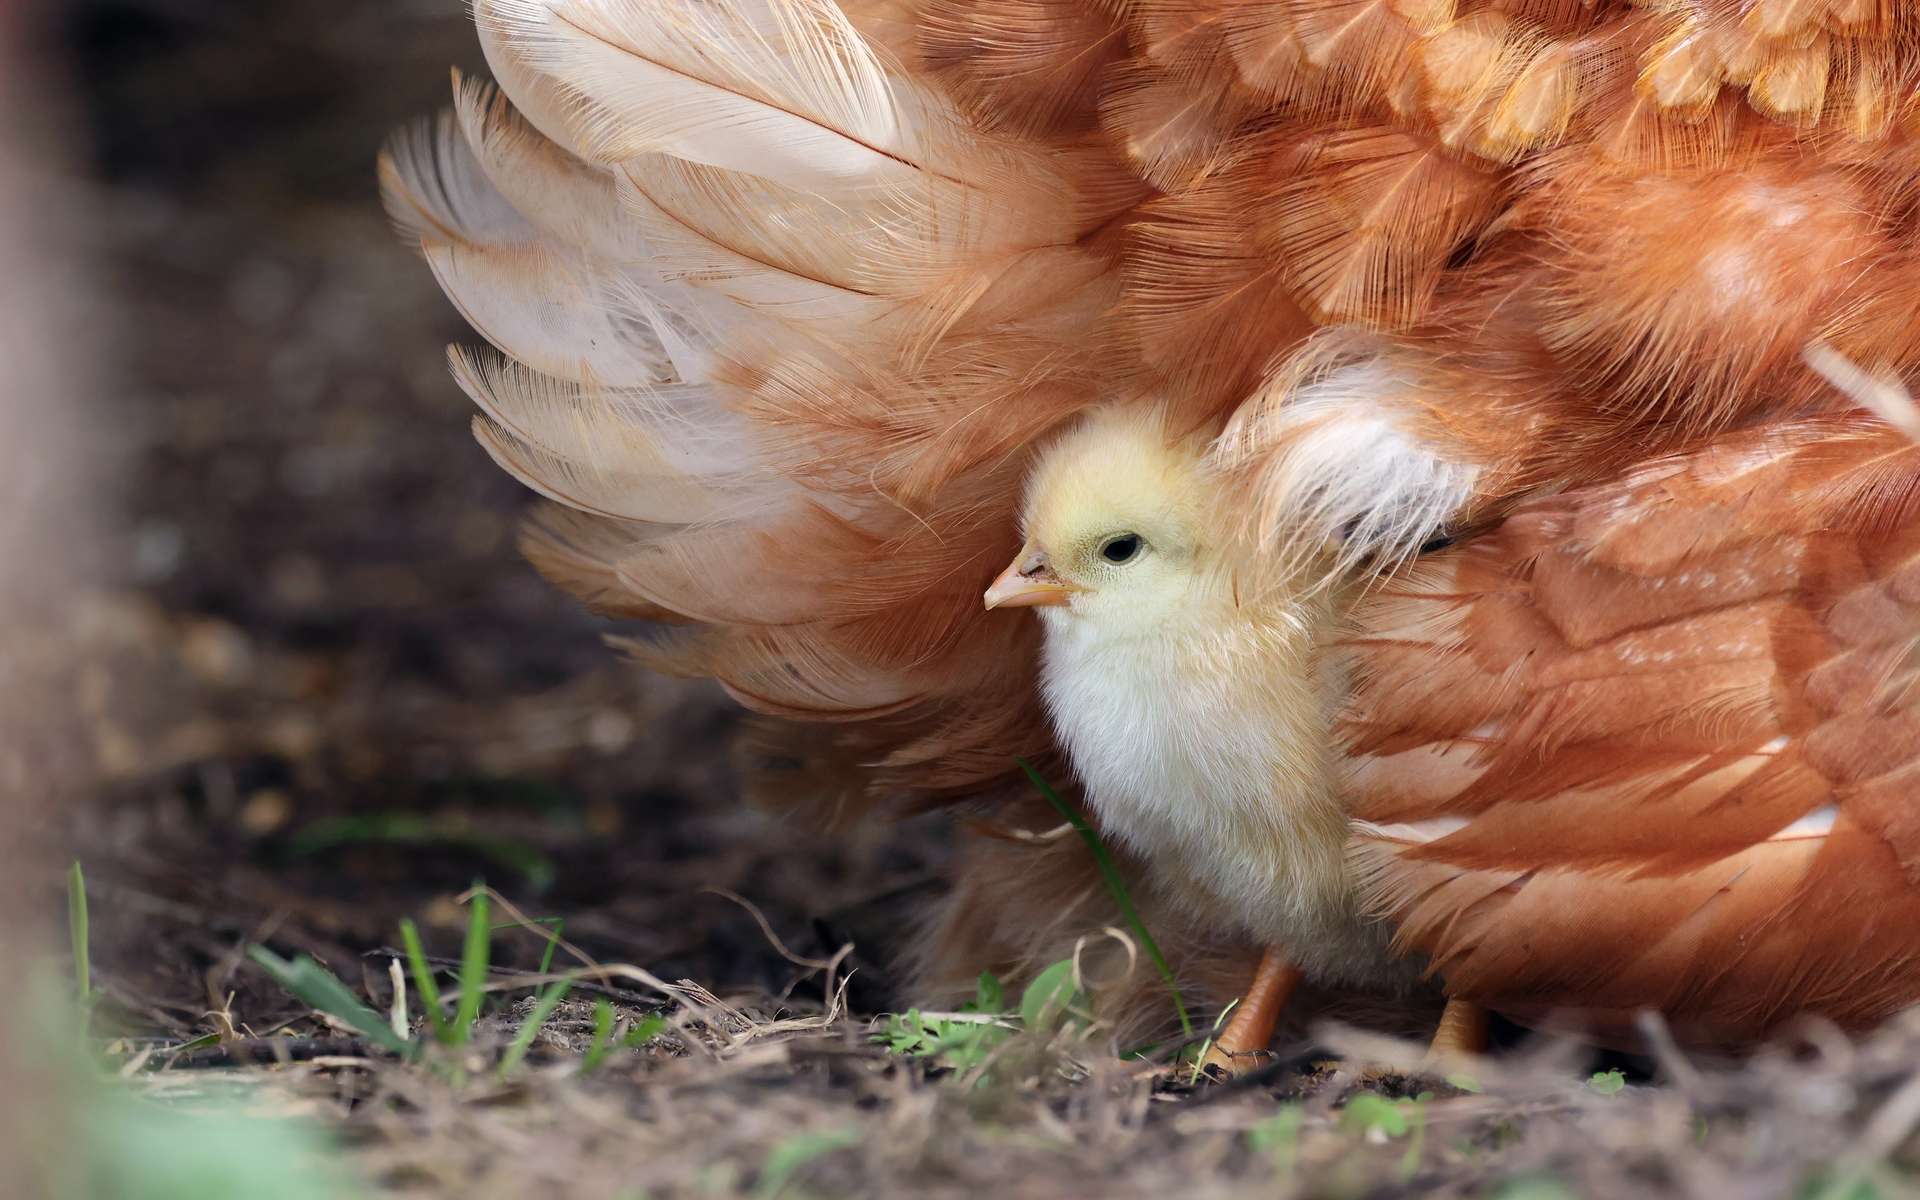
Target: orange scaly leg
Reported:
point(1241, 1046)
point(1462, 1033)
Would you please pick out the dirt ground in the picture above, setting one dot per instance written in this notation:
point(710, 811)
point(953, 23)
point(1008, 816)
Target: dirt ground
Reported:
point(316, 691)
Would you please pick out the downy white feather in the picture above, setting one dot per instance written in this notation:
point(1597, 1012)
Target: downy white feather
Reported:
point(1331, 454)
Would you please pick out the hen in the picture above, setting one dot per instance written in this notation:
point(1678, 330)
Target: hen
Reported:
point(787, 295)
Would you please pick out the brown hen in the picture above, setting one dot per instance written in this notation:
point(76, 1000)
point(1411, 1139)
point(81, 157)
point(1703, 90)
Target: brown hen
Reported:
point(784, 295)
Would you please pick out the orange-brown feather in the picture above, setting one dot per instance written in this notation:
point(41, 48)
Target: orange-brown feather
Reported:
point(1620, 705)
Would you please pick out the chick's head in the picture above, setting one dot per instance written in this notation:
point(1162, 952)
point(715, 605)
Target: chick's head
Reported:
point(1117, 522)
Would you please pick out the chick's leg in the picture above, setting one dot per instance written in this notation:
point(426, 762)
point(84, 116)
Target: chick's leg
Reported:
point(1241, 1046)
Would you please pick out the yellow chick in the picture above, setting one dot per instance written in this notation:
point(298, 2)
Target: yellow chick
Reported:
point(1195, 700)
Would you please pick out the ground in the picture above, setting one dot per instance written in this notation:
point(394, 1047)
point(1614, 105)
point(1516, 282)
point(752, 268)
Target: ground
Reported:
point(320, 695)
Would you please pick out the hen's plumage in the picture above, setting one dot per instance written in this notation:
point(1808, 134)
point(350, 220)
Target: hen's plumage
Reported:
point(784, 295)
point(791, 291)
point(1656, 743)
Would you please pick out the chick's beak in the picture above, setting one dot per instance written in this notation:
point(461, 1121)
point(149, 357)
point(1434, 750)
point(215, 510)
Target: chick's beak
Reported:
point(1028, 581)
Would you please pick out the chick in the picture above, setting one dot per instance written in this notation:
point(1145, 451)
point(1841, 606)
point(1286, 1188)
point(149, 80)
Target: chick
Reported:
point(1194, 695)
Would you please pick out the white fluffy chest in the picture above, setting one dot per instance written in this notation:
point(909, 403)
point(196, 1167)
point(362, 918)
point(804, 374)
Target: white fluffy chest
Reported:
point(1205, 751)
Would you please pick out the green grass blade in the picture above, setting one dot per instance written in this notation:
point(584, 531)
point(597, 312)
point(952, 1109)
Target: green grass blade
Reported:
point(602, 1042)
point(473, 969)
point(553, 940)
point(423, 982)
point(320, 989)
point(1110, 872)
point(530, 1028)
point(77, 929)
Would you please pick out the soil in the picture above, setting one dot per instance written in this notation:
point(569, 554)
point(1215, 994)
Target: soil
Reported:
point(312, 605)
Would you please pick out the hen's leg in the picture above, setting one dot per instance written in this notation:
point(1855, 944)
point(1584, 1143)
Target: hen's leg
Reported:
point(1462, 1032)
point(1242, 1045)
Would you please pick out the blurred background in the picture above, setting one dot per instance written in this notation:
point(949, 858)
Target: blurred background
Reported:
point(302, 684)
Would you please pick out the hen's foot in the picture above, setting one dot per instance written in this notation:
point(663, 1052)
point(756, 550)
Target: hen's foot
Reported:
point(1460, 1038)
point(1242, 1046)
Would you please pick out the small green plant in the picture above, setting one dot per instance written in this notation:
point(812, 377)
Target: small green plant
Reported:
point(1054, 999)
point(605, 1037)
point(1278, 1137)
point(1380, 1119)
point(796, 1151)
point(1832, 1183)
point(989, 995)
point(323, 991)
point(1368, 1114)
point(1534, 1187)
point(1196, 1052)
point(1607, 1083)
point(955, 1044)
point(967, 1038)
point(602, 1042)
point(644, 1030)
point(959, 1042)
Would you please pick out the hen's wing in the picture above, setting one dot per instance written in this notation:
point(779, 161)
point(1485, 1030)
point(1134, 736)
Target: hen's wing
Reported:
point(1656, 744)
point(774, 323)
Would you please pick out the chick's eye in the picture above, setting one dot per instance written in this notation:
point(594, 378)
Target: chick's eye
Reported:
point(1122, 548)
